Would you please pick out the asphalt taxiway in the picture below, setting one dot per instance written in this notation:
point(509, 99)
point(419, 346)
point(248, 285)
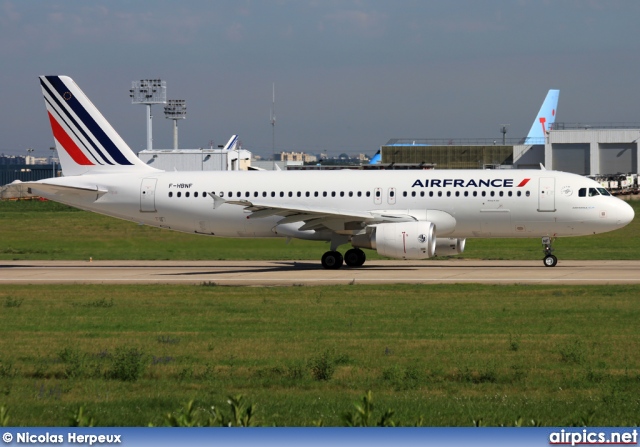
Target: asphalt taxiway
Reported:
point(289, 273)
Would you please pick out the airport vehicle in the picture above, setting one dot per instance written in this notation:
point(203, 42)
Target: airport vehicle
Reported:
point(401, 214)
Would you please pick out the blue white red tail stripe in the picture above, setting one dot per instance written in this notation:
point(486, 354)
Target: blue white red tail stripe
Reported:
point(88, 120)
point(86, 141)
point(66, 123)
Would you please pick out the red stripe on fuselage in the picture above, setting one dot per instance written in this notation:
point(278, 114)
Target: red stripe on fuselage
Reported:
point(68, 144)
point(524, 182)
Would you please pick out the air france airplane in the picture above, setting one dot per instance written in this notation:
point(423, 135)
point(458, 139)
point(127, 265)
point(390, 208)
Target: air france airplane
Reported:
point(400, 214)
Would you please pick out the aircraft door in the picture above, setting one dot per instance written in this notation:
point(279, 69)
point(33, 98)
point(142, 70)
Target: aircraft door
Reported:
point(148, 195)
point(391, 196)
point(377, 196)
point(546, 194)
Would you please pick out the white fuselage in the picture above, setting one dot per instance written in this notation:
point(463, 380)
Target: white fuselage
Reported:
point(484, 203)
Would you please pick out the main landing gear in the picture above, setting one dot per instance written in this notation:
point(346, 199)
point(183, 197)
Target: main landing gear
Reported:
point(549, 259)
point(353, 258)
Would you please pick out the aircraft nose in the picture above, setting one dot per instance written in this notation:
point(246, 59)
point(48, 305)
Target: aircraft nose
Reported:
point(625, 213)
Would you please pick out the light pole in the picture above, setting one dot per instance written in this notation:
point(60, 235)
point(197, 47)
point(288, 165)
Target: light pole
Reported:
point(29, 152)
point(175, 109)
point(148, 92)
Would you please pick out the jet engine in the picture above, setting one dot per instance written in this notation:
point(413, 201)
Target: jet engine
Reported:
point(402, 240)
point(449, 246)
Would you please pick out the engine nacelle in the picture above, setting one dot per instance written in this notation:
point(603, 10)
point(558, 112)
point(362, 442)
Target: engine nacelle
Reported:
point(449, 246)
point(403, 240)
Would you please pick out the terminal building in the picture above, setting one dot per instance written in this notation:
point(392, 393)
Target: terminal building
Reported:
point(594, 150)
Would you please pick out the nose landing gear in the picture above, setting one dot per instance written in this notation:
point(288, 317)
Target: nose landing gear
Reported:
point(549, 259)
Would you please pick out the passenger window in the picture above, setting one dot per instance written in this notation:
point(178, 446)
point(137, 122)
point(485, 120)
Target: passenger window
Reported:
point(457, 193)
point(484, 193)
point(430, 193)
point(392, 193)
point(501, 193)
point(492, 193)
point(359, 194)
point(273, 193)
point(333, 193)
point(377, 193)
point(290, 194)
point(264, 193)
point(341, 193)
point(239, 194)
point(448, 193)
point(281, 193)
point(204, 194)
point(439, 193)
point(368, 194)
point(179, 194)
point(466, 193)
point(510, 193)
point(170, 194)
point(528, 193)
point(324, 193)
point(299, 194)
point(350, 193)
point(315, 194)
point(519, 193)
point(421, 193)
point(475, 193)
point(186, 194)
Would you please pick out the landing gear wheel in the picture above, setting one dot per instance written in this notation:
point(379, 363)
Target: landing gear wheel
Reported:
point(355, 257)
point(550, 261)
point(332, 260)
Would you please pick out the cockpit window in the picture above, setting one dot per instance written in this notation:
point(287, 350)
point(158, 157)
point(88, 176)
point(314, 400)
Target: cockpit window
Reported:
point(582, 192)
point(593, 192)
point(604, 192)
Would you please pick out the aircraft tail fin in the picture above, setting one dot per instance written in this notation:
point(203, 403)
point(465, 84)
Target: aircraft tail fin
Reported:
point(232, 143)
point(86, 142)
point(545, 119)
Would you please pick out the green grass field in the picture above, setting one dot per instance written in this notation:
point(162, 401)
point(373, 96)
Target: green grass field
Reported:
point(446, 355)
point(451, 354)
point(47, 230)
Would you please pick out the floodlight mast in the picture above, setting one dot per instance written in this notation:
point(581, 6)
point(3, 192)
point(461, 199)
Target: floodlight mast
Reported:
point(148, 92)
point(176, 109)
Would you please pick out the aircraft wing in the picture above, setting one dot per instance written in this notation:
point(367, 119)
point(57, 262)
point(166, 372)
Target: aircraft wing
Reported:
point(316, 218)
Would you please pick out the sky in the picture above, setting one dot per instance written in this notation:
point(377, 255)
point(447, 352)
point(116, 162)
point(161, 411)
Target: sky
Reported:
point(349, 74)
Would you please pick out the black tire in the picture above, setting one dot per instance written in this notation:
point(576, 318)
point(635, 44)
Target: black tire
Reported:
point(550, 261)
point(354, 257)
point(332, 260)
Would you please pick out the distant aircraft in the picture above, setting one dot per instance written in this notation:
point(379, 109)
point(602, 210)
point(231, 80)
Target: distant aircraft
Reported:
point(231, 144)
point(401, 214)
point(544, 120)
point(541, 124)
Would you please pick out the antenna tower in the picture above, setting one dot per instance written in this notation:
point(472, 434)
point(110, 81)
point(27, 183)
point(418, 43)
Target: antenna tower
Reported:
point(503, 130)
point(272, 118)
